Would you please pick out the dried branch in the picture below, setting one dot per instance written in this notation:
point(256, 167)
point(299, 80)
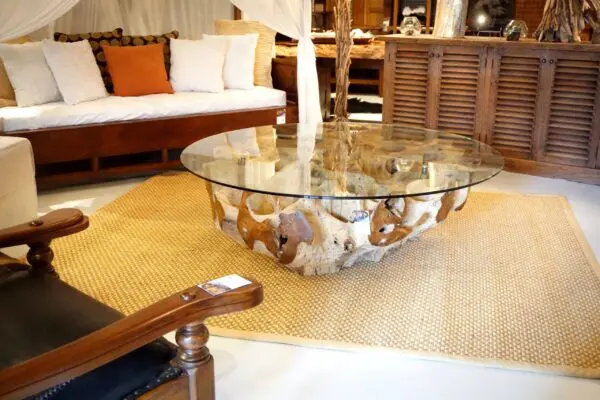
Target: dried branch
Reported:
point(343, 37)
point(563, 20)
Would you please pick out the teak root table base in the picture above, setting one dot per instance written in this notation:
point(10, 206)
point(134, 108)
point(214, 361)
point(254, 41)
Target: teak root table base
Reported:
point(322, 236)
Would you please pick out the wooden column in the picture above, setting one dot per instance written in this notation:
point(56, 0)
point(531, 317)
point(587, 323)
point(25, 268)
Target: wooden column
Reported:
point(428, 16)
point(395, 16)
point(237, 13)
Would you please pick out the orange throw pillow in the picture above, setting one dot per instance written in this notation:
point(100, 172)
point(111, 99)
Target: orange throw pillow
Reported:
point(137, 70)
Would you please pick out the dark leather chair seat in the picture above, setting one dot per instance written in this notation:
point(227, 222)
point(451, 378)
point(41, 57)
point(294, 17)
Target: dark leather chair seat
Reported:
point(39, 313)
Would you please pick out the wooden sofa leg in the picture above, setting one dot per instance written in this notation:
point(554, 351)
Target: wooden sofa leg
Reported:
point(195, 358)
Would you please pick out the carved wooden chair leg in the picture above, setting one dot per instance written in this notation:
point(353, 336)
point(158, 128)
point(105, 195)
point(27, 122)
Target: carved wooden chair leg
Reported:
point(40, 257)
point(195, 358)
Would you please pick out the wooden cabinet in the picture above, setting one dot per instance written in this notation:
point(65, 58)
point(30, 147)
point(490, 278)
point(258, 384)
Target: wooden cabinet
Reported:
point(367, 14)
point(538, 104)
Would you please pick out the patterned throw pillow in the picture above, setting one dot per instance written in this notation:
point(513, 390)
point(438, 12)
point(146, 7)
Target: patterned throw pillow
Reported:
point(96, 39)
point(165, 38)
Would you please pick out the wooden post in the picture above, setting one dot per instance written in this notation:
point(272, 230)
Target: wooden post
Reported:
point(195, 358)
point(237, 13)
point(428, 16)
point(395, 16)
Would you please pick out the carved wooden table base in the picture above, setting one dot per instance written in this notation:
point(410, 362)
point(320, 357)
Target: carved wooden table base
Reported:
point(322, 236)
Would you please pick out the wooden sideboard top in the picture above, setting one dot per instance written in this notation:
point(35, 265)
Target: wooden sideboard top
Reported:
point(373, 51)
point(477, 41)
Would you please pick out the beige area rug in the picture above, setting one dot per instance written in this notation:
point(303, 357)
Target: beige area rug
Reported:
point(509, 281)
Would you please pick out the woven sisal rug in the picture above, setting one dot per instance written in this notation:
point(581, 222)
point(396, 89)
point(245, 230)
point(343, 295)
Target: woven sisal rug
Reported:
point(509, 281)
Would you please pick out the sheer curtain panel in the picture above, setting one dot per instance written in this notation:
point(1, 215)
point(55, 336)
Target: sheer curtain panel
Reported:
point(293, 18)
point(191, 18)
point(90, 16)
point(20, 17)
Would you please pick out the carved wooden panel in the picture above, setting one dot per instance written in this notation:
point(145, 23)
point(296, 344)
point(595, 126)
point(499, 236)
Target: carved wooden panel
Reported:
point(461, 77)
point(516, 88)
point(572, 132)
point(409, 89)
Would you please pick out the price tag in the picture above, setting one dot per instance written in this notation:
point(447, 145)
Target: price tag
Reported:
point(224, 284)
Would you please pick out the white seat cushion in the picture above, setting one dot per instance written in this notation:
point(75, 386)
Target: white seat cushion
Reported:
point(114, 108)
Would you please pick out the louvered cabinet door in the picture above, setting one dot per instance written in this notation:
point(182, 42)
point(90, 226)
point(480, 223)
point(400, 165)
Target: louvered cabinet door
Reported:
point(460, 90)
point(405, 91)
point(571, 135)
point(515, 80)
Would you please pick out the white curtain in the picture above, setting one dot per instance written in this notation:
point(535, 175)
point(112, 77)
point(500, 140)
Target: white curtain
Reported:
point(293, 18)
point(20, 17)
point(191, 18)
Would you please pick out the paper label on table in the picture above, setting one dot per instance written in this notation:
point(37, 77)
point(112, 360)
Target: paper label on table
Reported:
point(224, 284)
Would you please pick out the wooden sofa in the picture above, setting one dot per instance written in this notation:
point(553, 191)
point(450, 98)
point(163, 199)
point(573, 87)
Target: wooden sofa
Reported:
point(67, 155)
point(87, 153)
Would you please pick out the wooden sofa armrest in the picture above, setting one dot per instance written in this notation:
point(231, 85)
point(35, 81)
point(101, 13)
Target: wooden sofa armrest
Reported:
point(44, 229)
point(184, 310)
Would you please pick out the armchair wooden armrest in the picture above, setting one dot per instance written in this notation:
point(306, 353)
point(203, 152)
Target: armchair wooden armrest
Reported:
point(38, 234)
point(51, 226)
point(185, 310)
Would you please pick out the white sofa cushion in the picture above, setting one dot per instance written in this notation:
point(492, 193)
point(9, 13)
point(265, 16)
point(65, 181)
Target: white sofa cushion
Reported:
point(29, 73)
point(197, 65)
point(114, 108)
point(238, 71)
point(75, 70)
point(18, 197)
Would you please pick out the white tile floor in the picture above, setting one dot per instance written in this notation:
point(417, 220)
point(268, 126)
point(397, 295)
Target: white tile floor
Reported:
point(265, 371)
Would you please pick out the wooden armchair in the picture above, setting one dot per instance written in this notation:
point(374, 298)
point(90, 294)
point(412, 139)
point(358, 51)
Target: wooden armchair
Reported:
point(59, 343)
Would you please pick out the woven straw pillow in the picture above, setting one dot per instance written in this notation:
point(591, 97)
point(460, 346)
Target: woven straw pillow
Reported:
point(7, 93)
point(264, 47)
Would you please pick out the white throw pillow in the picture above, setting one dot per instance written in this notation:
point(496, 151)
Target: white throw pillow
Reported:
point(238, 71)
point(75, 70)
point(29, 74)
point(197, 65)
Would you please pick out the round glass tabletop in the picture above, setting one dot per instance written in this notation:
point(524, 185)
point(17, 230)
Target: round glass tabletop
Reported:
point(342, 160)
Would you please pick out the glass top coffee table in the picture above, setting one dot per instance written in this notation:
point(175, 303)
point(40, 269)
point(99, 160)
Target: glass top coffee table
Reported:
point(319, 199)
